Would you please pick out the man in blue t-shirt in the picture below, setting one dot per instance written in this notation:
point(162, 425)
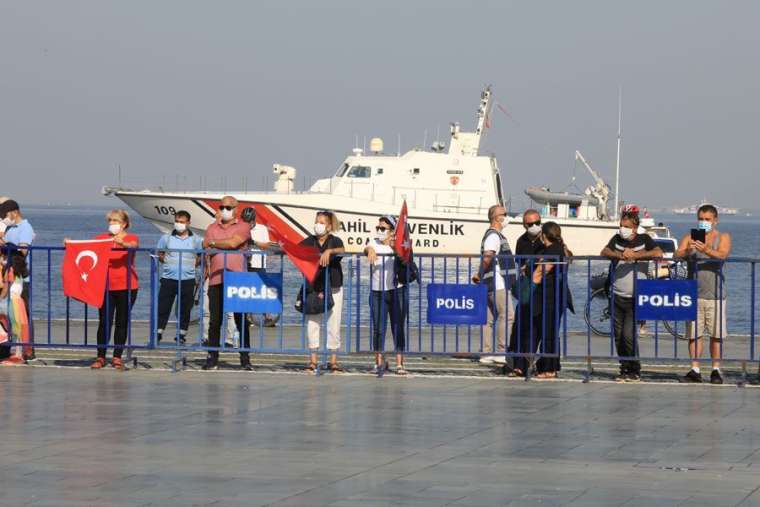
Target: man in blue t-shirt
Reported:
point(177, 253)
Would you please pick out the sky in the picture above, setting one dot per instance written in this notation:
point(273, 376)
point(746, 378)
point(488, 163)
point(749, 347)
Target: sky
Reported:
point(190, 94)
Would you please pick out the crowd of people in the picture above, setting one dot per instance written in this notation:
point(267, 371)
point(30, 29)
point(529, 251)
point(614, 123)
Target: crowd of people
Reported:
point(527, 292)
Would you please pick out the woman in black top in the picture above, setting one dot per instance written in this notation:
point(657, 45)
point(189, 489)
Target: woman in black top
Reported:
point(325, 223)
point(549, 276)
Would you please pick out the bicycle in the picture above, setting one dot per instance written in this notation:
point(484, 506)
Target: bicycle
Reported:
point(597, 311)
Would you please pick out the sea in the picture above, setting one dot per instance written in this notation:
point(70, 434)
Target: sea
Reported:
point(54, 223)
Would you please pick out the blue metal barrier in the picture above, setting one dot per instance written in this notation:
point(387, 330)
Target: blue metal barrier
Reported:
point(63, 323)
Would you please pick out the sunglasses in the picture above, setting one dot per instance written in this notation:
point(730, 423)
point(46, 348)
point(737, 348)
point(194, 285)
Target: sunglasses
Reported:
point(530, 224)
point(228, 208)
point(381, 229)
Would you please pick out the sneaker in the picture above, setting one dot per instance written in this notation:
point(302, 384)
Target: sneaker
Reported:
point(401, 370)
point(633, 377)
point(715, 377)
point(99, 363)
point(500, 359)
point(117, 363)
point(246, 366)
point(487, 359)
point(210, 364)
point(692, 378)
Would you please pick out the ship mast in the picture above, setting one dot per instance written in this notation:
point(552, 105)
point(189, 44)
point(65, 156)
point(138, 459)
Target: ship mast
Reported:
point(468, 143)
point(617, 162)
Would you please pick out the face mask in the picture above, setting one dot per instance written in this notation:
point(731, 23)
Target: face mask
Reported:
point(227, 214)
point(7, 221)
point(626, 233)
point(534, 230)
point(705, 225)
point(179, 227)
point(320, 229)
point(381, 235)
point(114, 229)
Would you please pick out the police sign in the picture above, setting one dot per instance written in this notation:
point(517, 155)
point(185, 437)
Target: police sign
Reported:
point(456, 303)
point(256, 292)
point(666, 300)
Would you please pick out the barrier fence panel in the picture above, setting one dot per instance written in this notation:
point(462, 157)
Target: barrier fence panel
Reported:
point(384, 299)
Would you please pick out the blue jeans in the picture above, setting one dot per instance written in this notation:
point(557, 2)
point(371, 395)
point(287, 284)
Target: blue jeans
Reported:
point(393, 303)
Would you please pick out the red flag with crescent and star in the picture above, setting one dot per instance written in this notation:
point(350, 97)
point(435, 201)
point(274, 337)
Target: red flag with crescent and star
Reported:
point(402, 242)
point(84, 270)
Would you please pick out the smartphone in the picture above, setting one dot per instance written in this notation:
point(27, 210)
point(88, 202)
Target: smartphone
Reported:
point(698, 235)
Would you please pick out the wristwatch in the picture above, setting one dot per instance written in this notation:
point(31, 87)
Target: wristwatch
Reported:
point(212, 243)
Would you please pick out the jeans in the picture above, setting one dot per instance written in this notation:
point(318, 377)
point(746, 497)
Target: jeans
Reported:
point(393, 303)
point(167, 293)
point(625, 325)
point(118, 304)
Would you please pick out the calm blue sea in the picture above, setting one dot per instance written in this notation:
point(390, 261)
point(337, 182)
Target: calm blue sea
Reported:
point(52, 224)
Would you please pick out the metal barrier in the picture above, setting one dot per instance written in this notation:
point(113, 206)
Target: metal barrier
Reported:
point(543, 328)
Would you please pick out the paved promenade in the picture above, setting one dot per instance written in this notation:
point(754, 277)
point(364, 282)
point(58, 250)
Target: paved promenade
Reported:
point(74, 437)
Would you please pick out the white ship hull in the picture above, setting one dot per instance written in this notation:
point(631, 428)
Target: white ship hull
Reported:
point(431, 233)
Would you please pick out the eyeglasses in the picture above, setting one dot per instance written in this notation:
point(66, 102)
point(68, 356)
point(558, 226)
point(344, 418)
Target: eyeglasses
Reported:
point(530, 224)
point(381, 229)
point(228, 208)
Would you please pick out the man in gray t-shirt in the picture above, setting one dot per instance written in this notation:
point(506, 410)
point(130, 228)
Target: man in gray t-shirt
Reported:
point(628, 252)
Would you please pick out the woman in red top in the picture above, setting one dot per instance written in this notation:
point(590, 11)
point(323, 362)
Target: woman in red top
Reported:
point(121, 289)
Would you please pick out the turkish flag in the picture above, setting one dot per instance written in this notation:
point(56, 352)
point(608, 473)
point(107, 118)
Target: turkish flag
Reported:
point(85, 268)
point(305, 258)
point(402, 243)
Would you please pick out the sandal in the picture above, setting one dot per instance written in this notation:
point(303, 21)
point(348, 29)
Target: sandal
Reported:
point(311, 366)
point(546, 375)
point(117, 363)
point(99, 363)
point(517, 372)
point(334, 368)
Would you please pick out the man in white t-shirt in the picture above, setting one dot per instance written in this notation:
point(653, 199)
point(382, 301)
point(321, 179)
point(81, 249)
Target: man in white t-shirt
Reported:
point(259, 241)
point(494, 276)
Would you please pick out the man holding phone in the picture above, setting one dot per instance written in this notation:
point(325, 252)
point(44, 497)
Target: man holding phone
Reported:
point(706, 248)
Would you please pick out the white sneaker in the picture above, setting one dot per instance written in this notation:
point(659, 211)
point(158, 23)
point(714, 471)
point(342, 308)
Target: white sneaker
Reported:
point(500, 359)
point(487, 359)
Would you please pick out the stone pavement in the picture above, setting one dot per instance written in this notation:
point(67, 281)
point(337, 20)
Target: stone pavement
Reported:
point(75, 437)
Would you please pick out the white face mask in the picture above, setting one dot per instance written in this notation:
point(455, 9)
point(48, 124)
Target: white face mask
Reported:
point(381, 235)
point(626, 233)
point(114, 229)
point(534, 230)
point(180, 227)
point(320, 229)
point(227, 214)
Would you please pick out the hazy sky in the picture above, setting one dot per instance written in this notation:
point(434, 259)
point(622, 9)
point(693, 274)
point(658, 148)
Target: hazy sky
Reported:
point(228, 88)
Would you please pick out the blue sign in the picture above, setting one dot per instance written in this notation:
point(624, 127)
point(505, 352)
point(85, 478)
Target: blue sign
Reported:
point(666, 300)
point(456, 303)
point(255, 292)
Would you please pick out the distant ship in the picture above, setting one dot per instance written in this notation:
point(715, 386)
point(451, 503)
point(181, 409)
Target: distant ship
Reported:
point(692, 210)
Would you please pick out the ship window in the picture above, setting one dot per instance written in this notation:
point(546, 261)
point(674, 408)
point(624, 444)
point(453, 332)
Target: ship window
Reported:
point(342, 170)
point(360, 171)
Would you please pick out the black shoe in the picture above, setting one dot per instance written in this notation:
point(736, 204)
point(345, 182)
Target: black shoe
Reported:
point(181, 340)
point(211, 363)
point(246, 365)
point(158, 337)
point(715, 377)
point(692, 377)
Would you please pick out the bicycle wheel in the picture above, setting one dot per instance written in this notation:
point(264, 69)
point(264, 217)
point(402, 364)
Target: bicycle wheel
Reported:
point(597, 312)
point(672, 326)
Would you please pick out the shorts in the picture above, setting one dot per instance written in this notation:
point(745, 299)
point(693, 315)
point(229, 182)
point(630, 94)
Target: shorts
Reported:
point(711, 319)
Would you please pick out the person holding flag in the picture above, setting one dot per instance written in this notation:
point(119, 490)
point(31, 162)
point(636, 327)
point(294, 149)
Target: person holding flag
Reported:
point(330, 274)
point(389, 291)
point(14, 322)
point(121, 288)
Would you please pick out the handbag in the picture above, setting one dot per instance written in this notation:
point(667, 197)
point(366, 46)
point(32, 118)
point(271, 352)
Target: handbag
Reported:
point(521, 290)
point(315, 302)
